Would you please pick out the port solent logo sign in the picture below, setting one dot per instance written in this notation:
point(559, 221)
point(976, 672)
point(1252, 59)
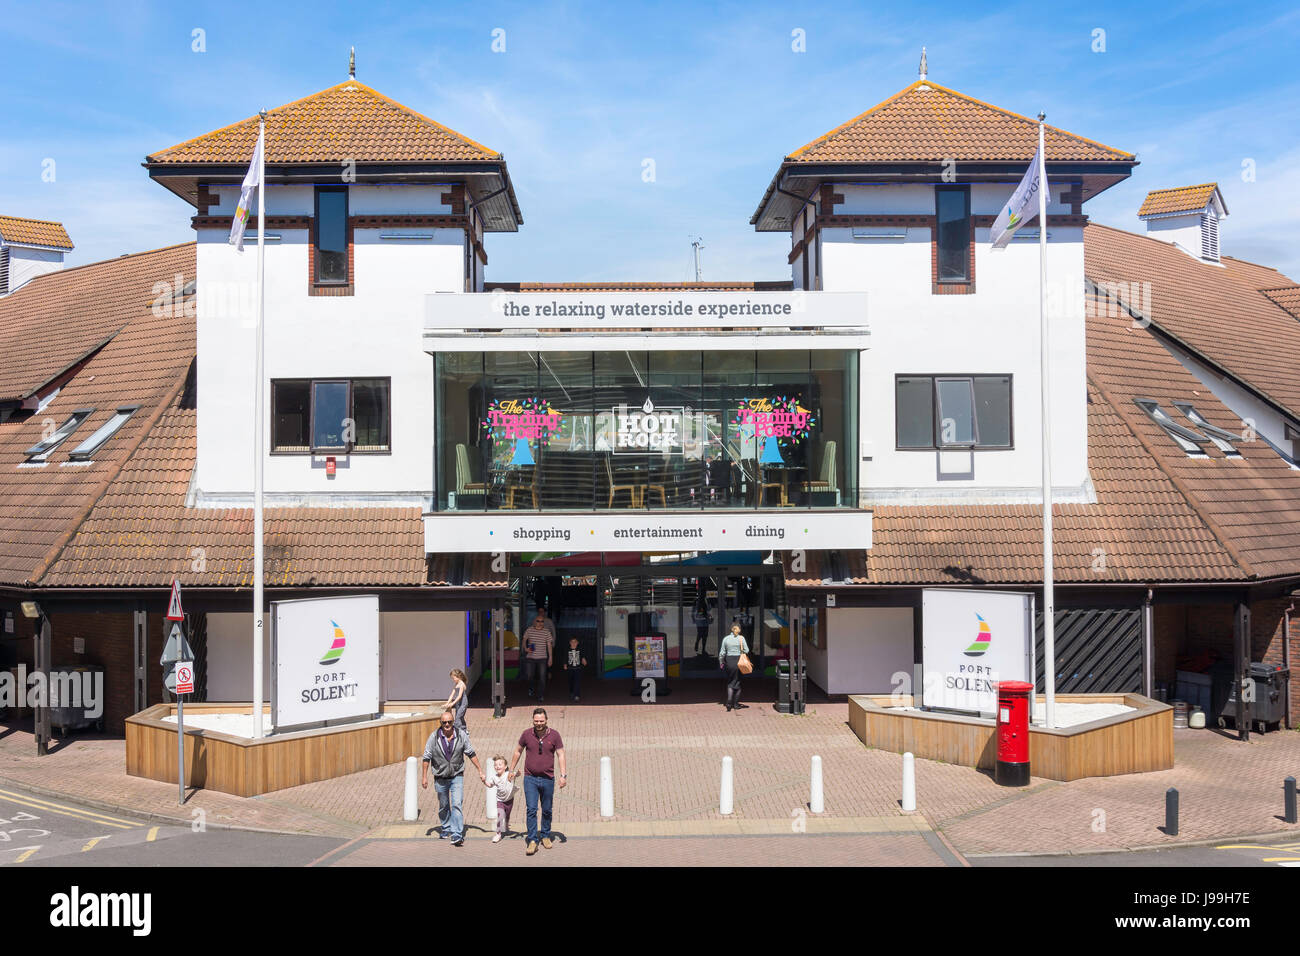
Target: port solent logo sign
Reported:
point(982, 639)
point(340, 684)
point(963, 675)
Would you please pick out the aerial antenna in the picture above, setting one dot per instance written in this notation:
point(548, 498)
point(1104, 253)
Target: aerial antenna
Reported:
point(697, 243)
point(352, 64)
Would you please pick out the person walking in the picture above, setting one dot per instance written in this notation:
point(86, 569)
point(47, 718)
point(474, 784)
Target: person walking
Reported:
point(702, 622)
point(729, 655)
point(544, 749)
point(539, 648)
point(446, 751)
point(458, 701)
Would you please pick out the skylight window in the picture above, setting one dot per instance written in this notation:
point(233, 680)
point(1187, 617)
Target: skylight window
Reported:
point(41, 450)
point(1223, 439)
point(102, 434)
point(1186, 439)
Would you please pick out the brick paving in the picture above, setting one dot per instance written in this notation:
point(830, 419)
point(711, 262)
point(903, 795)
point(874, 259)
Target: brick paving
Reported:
point(667, 761)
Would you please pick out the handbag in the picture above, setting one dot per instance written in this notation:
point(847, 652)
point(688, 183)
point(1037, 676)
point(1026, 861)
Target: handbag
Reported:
point(744, 665)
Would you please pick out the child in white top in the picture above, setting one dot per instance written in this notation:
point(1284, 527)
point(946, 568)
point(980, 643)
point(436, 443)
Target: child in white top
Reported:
point(501, 779)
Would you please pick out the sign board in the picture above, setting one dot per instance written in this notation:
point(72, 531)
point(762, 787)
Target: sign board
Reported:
point(648, 656)
point(970, 641)
point(176, 648)
point(174, 612)
point(184, 672)
point(325, 658)
point(645, 530)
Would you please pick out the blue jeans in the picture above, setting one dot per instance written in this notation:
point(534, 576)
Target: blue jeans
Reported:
point(535, 787)
point(450, 820)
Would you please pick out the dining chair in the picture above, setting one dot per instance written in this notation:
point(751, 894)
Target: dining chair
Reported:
point(633, 490)
point(466, 486)
point(826, 479)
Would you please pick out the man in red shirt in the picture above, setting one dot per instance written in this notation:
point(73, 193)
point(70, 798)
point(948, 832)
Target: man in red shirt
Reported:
point(543, 747)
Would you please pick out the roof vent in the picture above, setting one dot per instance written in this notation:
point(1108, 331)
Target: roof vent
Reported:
point(1188, 217)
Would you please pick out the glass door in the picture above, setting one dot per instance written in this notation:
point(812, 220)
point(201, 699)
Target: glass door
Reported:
point(741, 599)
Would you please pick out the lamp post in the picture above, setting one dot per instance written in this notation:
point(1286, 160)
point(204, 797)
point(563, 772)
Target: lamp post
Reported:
point(41, 645)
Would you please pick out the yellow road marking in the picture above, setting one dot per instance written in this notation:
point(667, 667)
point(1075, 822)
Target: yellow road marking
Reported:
point(91, 843)
point(91, 815)
point(153, 835)
point(1279, 859)
point(22, 858)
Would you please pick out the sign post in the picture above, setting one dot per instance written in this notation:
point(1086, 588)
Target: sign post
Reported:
point(178, 678)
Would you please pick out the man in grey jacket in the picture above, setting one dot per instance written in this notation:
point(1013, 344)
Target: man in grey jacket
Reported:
point(446, 751)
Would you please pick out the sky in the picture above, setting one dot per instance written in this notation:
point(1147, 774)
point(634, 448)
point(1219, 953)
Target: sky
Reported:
point(583, 94)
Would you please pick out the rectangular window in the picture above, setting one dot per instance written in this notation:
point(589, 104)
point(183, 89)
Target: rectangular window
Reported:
point(41, 450)
point(330, 416)
point(952, 411)
point(952, 217)
point(102, 434)
point(332, 234)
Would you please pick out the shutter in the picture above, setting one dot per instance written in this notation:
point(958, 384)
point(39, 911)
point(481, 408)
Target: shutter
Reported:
point(1209, 237)
point(4, 271)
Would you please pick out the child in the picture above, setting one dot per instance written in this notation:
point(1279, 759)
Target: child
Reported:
point(458, 702)
point(574, 662)
point(500, 778)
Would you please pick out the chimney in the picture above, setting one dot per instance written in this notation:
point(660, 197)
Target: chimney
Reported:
point(1188, 217)
point(29, 248)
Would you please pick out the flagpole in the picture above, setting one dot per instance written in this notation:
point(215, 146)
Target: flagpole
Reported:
point(1049, 596)
point(258, 416)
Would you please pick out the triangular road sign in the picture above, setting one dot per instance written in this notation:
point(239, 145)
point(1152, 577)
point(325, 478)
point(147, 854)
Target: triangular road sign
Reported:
point(177, 648)
point(174, 612)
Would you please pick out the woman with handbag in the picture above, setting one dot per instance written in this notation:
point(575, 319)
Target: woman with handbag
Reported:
point(733, 658)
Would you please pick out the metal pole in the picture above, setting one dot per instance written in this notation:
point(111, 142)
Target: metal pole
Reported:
point(1148, 646)
point(1171, 812)
point(258, 414)
point(180, 748)
point(1049, 597)
point(41, 713)
point(1241, 640)
point(1289, 814)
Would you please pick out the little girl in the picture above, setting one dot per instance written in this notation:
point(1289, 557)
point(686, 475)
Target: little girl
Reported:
point(501, 779)
point(458, 702)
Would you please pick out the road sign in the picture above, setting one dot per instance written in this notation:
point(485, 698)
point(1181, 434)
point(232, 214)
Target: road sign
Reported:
point(176, 648)
point(174, 612)
point(184, 672)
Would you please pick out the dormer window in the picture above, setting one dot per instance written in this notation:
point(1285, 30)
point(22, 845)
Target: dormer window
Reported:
point(41, 450)
point(102, 434)
point(332, 235)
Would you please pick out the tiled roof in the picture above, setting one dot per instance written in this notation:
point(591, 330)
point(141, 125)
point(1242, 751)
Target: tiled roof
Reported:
point(57, 319)
point(1214, 310)
point(34, 232)
point(348, 121)
point(773, 285)
point(1288, 297)
point(145, 364)
point(1178, 199)
point(930, 123)
point(1253, 274)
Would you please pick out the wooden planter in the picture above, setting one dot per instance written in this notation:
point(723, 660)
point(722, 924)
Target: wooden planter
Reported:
point(244, 767)
point(1135, 742)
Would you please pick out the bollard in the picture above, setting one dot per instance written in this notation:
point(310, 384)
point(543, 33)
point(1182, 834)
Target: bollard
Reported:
point(1290, 816)
point(728, 791)
point(1171, 812)
point(817, 798)
point(909, 783)
point(410, 805)
point(490, 804)
point(606, 787)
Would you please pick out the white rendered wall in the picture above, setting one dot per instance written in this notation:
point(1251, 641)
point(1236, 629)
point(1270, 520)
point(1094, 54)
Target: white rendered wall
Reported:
point(993, 331)
point(230, 657)
point(865, 648)
point(26, 264)
point(374, 333)
point(1185, 231)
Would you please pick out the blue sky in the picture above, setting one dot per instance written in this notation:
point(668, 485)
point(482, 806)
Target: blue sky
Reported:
point(584, 92)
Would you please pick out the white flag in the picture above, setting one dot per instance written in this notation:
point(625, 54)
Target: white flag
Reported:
point(251, 181)
point(1023, 205)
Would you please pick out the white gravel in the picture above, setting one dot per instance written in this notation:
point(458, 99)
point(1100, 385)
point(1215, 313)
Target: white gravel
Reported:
point(241, 725)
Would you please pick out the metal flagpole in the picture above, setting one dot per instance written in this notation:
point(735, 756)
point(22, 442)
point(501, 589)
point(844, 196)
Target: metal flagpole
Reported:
point(258, 416)
point(1049, 598)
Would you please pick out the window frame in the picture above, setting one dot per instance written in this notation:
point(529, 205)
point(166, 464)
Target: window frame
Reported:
point(44, 447)
point(968, 276)
point(316, 247)
point(970, 377)
point(314, 450)
point(84, 453)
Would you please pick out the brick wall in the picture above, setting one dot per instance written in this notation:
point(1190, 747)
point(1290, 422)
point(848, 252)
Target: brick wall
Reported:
point(1267, 624)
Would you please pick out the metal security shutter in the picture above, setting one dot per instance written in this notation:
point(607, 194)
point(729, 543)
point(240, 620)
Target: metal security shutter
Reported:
point(1209, 237)
point(1097, 651)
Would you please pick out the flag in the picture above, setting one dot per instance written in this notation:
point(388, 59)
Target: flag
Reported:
point(252, 181)
point(1023, 205)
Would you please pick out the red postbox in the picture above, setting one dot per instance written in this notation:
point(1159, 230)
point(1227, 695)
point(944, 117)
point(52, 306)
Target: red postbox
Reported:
point(1015, 699)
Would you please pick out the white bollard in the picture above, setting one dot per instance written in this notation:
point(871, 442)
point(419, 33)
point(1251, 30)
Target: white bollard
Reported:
point(606, 787)
point(410, 805)
point(909, 783)
point(489, 801)
point(728, 790)
point(817, 799)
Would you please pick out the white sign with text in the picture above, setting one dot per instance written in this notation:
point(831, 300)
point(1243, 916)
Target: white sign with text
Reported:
point(326, 659)
point(971, 640)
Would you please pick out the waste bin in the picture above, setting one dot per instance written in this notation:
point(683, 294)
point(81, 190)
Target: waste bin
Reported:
point(76, 697)
point(1269, 705)
point(783, 671)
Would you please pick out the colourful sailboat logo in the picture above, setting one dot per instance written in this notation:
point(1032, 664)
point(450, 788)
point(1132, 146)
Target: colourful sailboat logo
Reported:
point(336, 649)
point(982, 639)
